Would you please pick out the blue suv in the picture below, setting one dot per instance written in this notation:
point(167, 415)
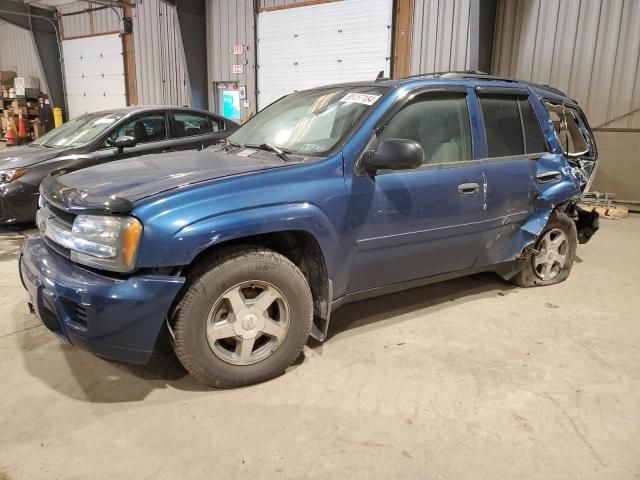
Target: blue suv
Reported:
point(241, 251)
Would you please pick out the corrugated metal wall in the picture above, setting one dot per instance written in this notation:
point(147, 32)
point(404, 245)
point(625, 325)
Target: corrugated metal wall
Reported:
point(229, 24)
point(587, 48)
point(278, 3)
point(590, 49)
point(95, 22)
point(441, 34)
point(18, 53)
point(161, 71)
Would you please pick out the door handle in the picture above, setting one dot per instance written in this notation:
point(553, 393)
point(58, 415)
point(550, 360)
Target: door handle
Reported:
point(548, 177)
point(468, 188)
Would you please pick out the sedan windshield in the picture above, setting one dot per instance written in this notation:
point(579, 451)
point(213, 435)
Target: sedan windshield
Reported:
point(310, 122)
point(79, 131)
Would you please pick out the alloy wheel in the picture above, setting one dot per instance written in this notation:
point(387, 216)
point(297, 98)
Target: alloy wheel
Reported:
point(248, 323)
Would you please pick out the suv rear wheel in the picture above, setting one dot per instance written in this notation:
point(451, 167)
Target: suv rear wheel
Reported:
point(553, 254)
point(244, 318)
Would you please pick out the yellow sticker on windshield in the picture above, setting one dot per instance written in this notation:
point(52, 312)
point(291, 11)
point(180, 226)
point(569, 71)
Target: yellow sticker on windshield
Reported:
point(362, 98)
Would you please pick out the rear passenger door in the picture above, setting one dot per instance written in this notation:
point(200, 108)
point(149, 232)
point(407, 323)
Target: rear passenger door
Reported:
point(514, 143)
point(194, 130)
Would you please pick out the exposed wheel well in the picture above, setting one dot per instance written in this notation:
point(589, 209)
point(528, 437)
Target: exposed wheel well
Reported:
point(303, 250)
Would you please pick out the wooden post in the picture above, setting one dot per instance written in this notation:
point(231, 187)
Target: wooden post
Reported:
point(403, 19)
point(128, 48)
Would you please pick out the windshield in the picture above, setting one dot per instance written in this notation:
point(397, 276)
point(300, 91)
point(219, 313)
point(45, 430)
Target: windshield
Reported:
point(79, 131)
point(311, 122)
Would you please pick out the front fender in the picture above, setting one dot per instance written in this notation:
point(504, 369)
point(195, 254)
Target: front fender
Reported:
point(191, 240)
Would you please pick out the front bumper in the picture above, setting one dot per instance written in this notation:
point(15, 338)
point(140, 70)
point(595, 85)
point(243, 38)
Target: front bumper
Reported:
point(18, 203)
point(113, 318)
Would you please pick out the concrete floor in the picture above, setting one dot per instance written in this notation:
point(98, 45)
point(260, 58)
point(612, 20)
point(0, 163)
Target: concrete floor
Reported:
point(467, 379)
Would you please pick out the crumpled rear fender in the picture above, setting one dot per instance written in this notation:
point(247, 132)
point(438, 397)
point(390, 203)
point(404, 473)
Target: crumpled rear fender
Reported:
point(563, 193)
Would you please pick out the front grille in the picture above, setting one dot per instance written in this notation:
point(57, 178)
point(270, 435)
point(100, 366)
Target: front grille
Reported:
point(54, 224)
point(62, 216)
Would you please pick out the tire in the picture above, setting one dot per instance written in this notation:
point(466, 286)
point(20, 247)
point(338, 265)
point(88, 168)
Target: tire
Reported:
point(220, 337)
point(533, 273)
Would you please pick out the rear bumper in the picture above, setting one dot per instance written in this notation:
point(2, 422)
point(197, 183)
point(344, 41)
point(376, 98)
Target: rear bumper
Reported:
point(18, 203)
point(113, 318)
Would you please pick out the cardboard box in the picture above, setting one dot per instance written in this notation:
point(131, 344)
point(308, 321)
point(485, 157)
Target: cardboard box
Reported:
point(37, 129)
point(27, 86)
point(6, 79)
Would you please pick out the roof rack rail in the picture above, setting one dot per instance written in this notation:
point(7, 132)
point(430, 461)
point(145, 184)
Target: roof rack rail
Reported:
point(478, 75)
point(464, 74)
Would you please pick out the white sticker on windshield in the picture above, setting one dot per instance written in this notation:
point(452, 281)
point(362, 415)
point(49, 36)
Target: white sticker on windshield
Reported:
point(363, 98)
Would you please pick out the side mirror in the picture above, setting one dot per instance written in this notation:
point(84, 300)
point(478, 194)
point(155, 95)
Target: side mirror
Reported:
point(125, 142)
point(394, 154)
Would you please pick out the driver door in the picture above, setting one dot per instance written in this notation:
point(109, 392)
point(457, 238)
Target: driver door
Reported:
point(427, 221)
point(150, 131)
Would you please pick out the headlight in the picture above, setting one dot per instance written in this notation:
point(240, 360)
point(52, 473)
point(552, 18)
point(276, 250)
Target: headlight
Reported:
point(106, 242)
point(12, 174)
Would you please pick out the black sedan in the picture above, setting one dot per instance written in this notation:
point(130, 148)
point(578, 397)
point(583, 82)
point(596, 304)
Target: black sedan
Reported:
point(97, 138)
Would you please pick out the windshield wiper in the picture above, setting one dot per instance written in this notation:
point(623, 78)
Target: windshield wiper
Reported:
point(267, 146)
point(231, 143)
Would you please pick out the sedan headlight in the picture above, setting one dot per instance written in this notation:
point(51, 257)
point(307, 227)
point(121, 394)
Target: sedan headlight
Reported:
point(12, 174)
point(106, 242)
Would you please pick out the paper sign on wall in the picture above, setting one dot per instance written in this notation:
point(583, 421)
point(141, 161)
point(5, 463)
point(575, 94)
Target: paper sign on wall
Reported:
point(238, 49)
point(238, 69)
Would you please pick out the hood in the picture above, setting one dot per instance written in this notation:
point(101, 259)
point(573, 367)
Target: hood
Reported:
point(25, 156)
point(123, 182)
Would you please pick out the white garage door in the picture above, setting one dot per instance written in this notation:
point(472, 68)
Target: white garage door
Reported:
point(94, 74)
point(305, 47)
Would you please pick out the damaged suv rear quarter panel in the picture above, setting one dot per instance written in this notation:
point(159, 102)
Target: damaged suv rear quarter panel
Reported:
point(548, 196)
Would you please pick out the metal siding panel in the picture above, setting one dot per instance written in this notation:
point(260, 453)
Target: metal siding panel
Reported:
point(545, 39)
point(19, 54)
point(161, 71)
point(460, 38)
point(582, 64)
point(229, 24)
point(440, 37)
point(75, 25)
point(626, 71)
point(416, 37)
point(590, 49)
point(445, 32)
point(604, 62)
point(106, 20)
point(565, 39)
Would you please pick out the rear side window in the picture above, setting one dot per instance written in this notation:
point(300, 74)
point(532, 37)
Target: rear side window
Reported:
point(511, 126)
point(438, 122)
point(189, 124)
point(534, 141)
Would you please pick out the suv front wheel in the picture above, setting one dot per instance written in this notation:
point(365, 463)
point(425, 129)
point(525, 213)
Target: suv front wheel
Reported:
point(244, 318)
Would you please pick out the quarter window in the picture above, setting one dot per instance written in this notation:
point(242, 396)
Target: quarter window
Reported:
point(511, 126)
point(438, 122)
point(188, 124)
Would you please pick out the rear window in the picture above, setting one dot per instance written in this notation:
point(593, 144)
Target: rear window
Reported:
point(511, 126)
